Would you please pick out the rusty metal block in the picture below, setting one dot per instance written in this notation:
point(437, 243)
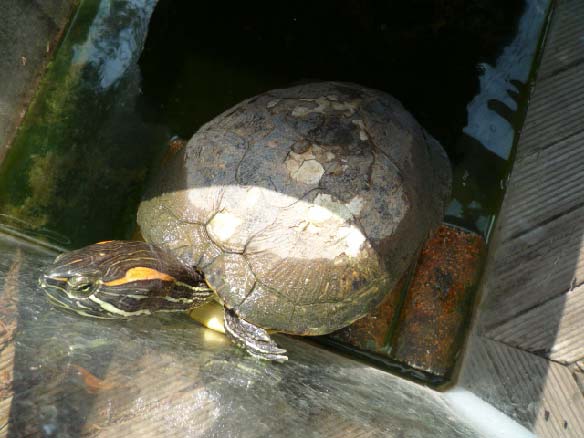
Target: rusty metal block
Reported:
point(373, 332)
point(437, 307)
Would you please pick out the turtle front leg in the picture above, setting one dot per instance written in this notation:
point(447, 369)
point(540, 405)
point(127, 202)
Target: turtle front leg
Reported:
point(253, 339)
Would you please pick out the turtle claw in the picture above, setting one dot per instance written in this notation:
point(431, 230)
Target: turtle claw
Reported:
point(255, 340)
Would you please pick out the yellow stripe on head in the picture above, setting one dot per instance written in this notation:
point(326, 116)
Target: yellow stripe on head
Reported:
point(140, 274)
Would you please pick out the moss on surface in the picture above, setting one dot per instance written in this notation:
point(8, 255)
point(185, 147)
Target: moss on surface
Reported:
point(79, 161)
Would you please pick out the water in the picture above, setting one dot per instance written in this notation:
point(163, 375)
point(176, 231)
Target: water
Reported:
point(169, 377)
point(101, 120)
point(462, 69)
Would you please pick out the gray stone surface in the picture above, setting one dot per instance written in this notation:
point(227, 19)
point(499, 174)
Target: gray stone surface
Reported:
point(69, 376)
point(29, 31)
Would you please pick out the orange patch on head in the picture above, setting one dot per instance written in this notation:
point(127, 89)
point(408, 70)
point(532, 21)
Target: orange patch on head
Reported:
point(104, 242)
point(139, 274)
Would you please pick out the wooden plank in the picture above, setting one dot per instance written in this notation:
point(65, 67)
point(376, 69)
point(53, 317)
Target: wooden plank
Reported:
point(564, 47)
point(577, 369)
point(540, 394)
point(538, 252)
point(553, 330)
point(533, 293)
point(531, 269)
point(544, 185)
point(555, 112)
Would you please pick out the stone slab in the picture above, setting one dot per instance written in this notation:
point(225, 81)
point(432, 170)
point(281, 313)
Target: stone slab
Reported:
point(373, 332)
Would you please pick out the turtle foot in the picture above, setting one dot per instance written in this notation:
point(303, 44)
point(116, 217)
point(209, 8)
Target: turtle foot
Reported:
point(255, 340)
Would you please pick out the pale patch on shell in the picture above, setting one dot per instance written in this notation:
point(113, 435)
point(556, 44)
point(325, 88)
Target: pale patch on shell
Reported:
point(327, 202)
point(324, 104)
point(304, 167)
point(223, 226)
point(273, 103)
point(261, 221)
point(355, 205)
point(307, 155)
point(362, 133)
point(318, 214)
point(309, 172)
point(353, 238)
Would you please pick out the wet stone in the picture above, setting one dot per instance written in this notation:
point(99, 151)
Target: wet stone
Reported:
point(436, 310)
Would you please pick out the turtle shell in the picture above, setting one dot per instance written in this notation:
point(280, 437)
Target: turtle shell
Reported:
point(303, 206)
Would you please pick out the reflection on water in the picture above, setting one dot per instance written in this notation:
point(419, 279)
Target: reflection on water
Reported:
point(495, 117)
point(114, 41)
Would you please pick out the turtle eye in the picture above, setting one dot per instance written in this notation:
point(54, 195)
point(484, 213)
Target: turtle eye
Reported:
point(81, 286)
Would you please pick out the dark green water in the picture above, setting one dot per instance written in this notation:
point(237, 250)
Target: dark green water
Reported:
point(106, 108)
point(445, 60)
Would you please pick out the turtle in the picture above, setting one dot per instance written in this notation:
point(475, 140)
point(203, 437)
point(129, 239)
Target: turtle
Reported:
point(298, 210)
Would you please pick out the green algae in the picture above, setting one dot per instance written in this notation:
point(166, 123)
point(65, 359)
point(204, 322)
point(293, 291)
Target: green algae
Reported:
point(78, 163)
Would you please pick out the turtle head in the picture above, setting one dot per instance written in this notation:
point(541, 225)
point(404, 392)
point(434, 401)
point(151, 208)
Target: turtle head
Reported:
point(120, 279)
